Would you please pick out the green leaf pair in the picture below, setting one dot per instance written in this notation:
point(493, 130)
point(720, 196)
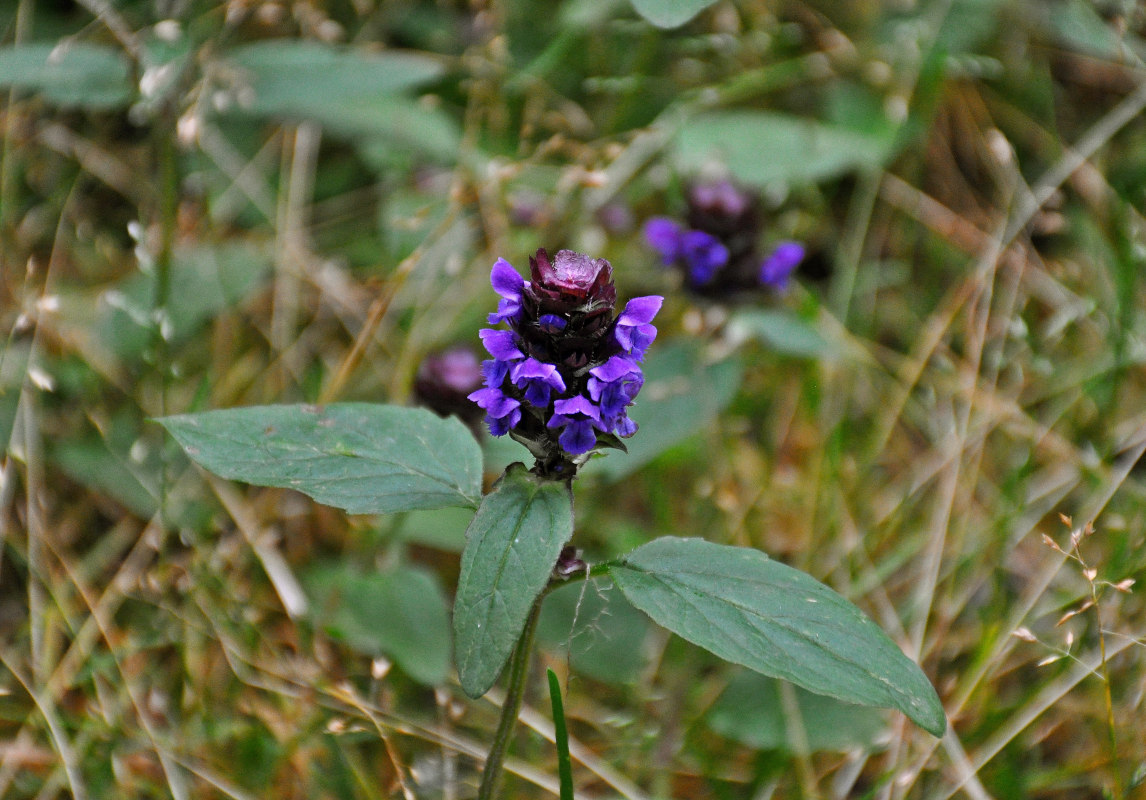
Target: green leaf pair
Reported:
point(735, 602)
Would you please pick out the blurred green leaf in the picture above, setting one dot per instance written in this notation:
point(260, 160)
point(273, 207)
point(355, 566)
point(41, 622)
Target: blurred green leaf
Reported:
point(751, 711)
point(360, 457)
point(390, 128)
point(762, 147)
point(1078, 25)
point(204, 281)
point(748, 609)
point(72, 74)
point(781, 331)
point(967, 25)
point(514, 541)
point(682, 395)
point(100, 464)
point(670, 13)
point(442, 528)
point(401, 613)
point(292, 78)
point(601, 630)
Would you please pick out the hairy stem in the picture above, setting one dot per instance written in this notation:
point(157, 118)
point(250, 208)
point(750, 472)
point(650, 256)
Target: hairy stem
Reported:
point(515, 692)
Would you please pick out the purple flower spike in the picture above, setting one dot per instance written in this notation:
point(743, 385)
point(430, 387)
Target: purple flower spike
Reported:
point(633, 332)
point(779, 266)
point(537, 379)
point(563, 375)
point(664, 235)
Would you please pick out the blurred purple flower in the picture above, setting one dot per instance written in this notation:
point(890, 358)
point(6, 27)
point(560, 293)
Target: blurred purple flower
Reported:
point(716, 248)
point(778, 267)
point(445, 379)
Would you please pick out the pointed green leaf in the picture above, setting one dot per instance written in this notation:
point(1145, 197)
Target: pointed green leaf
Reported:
point(751, 610)
point(360, 457)
point(514, 541)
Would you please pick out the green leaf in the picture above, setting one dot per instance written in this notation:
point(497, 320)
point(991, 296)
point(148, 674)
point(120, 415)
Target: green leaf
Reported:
point(292, 78)
point(670, 13)
point(753, 711)
point(746, 608)
point(682, 395)
point(75, 74)
point(360, 457)
point(400, 613)
point(514, 541)
point(763, 147)
point(205, 280)
point(782, 331)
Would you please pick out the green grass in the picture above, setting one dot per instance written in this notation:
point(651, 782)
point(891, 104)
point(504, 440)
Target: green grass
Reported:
point(958, 364)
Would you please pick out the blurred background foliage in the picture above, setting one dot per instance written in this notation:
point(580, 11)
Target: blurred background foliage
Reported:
point(214, 204)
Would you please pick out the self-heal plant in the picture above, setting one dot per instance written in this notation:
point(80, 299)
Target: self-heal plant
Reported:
point(563, 375)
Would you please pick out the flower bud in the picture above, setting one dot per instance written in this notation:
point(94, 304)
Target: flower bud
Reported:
point(446, 379)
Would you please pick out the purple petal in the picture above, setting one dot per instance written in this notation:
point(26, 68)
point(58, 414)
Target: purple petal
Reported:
point(664, 235)
point(502, 345)
point(614, 369)
point(625, 427)
point(496, 403)
point(500, 426)
point(579, 404)
point(578, 437)
point(533, 370)
point(551, 323)
point(508, 308)
point(537, 394)
point(779, 266)
point(640, 310)
point(505, 280)
point(494, 372)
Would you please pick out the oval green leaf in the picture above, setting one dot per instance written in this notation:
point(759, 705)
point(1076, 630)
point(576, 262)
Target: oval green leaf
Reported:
point(360, 457)
point(763, 147)
point(746, 608)
point(76, 74)
point(514, 541)
point(293, 78)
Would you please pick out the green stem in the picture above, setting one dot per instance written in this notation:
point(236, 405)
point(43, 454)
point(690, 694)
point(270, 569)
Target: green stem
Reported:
point(515, 693)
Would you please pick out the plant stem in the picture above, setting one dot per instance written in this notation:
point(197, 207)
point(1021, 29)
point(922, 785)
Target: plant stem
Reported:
point(515, 692)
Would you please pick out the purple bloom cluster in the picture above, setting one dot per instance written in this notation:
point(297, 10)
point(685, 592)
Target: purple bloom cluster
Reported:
point(716, 249)
point(565, 372)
